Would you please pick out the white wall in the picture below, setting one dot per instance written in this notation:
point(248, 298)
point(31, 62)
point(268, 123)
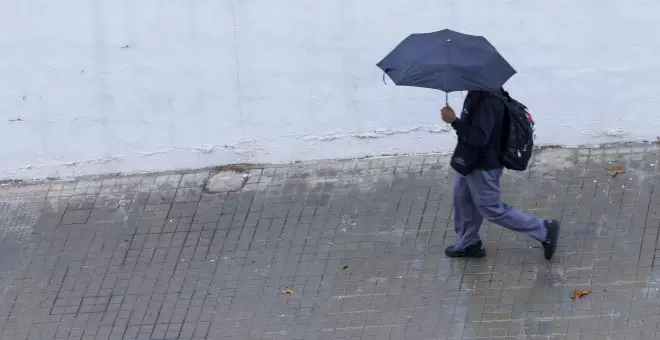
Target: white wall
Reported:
point(104, 86)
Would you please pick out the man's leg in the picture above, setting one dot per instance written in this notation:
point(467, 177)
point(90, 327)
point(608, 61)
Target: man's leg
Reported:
point(467, 222)
point(485, 189)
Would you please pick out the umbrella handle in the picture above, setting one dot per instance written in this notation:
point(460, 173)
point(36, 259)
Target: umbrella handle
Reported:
point(446, 98)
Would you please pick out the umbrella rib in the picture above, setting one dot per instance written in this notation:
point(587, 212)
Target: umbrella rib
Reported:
point(418, 58)
point(413, 61)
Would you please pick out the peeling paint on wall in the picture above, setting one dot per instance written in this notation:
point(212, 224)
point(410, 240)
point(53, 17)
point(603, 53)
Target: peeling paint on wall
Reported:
point(616, 133)
point(241, 147)
point(378, 133)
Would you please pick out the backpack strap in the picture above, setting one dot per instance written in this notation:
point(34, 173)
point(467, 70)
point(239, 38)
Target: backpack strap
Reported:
point(506, 119)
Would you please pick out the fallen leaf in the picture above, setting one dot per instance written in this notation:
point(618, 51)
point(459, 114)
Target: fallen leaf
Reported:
point(344, 268)
point(287, 291)
point(579, 293)
point(616, 170)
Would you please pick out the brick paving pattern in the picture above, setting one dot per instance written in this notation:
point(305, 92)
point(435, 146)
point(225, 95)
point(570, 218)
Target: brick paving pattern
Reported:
point(359, 244)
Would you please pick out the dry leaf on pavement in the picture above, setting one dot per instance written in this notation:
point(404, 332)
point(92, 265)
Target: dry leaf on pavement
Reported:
point(287, 291)
point(616, 170)
point(579, 293)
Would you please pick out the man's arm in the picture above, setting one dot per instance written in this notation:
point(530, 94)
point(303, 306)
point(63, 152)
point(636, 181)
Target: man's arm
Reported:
point(482, 123)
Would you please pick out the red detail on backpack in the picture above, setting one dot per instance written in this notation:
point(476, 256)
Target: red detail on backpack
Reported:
point(529, 116)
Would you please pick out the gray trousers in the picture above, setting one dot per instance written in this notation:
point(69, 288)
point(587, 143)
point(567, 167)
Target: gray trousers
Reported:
point(477, 197)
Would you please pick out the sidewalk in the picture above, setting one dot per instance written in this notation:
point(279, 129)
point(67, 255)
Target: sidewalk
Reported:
point(332, 250)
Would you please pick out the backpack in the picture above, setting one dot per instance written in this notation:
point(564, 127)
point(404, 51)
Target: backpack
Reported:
point(518, 134)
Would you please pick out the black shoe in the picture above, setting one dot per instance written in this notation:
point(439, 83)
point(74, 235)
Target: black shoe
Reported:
point(475, 251)
point(550, 244)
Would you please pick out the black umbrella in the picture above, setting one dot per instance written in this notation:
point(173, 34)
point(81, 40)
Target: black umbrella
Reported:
point(448, 61)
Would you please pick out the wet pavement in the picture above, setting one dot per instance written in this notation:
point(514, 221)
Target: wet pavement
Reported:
point(332, 250)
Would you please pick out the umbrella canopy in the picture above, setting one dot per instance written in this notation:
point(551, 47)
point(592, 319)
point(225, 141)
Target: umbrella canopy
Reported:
point(447, 61)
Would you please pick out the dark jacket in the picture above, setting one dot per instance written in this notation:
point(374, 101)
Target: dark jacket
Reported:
point(479, 131)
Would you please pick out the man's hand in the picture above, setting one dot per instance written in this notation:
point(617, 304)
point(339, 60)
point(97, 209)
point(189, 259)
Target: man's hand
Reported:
point(448, 114)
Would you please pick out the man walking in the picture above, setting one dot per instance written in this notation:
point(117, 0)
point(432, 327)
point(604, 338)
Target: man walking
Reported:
point(476, 160)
